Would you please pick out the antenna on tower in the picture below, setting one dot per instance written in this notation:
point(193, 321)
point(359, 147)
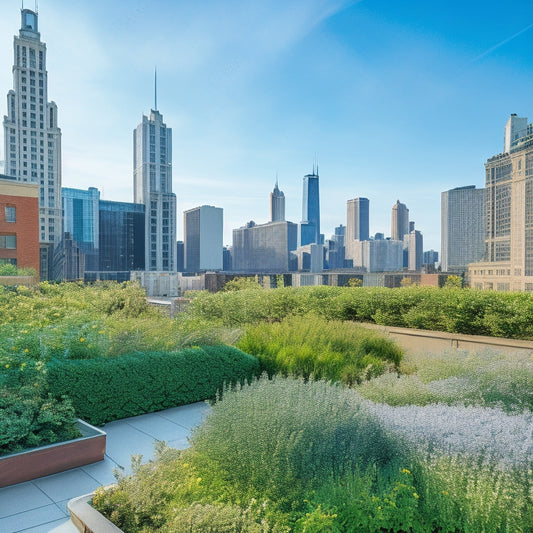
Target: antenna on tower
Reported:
point(155, 88)
point(36, 6)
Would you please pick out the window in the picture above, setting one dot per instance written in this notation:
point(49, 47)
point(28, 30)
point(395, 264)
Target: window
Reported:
point(8, 242)
point(11, 214)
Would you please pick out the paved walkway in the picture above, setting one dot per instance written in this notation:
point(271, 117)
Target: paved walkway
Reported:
point(40, 506)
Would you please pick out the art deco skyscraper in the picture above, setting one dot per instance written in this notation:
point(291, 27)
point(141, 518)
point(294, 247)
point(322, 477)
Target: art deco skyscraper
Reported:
point(399, 221)
point(277, 205)
point(32, 139)
point(152, 186)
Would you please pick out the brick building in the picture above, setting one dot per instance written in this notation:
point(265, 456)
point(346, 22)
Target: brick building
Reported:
point(19, 223)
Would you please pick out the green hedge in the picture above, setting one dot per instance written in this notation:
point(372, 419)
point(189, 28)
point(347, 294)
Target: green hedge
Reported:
point(498, 314)
point(106, 389)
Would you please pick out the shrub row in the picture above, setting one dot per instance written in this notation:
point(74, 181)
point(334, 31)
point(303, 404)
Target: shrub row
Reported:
point(106, 389)
point(499, 314)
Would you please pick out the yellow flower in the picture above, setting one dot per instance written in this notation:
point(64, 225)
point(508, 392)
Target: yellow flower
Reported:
point(81, 339)
point(13, 348)
point(7, 366)
point(415, 495)
point(101, 332)
point(445, 492)
point(26, 350)
point(405, 471)
point(199, 479)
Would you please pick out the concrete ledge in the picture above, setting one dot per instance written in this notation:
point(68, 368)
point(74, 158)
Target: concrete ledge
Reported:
point(87, 519)
point(426, 341)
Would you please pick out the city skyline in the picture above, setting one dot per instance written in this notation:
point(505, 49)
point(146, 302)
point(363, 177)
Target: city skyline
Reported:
point(254, 90)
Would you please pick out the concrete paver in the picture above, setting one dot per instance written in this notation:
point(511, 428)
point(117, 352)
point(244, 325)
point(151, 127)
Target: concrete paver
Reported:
point(39, 506)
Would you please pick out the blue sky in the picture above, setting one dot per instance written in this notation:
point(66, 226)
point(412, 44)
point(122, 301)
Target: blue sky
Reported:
point(397, 100)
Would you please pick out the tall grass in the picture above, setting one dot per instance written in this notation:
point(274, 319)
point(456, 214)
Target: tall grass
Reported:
point(312, 346)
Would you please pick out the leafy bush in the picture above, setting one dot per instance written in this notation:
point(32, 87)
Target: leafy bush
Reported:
point(273, 438)
point(7, 269)
point(28, 420)
point(312, 346)
point(107, 389)
point(453, 310)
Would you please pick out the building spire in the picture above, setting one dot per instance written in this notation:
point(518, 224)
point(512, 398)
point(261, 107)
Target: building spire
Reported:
point(276, 179)
point(155, 88)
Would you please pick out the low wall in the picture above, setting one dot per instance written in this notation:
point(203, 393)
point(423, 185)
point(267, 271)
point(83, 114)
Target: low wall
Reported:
point(423, 341)
point(28, 281)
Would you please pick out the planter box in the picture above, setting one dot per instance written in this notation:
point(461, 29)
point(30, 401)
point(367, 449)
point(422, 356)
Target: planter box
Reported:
point(54, 458)
point(87, 519)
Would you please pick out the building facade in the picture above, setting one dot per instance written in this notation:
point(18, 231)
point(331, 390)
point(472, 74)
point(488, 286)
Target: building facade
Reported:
point(152, 187)
point(277, 205)
point(32, 138)
point(264, 247)
point(376, 256)
point(508, 259)
point(310, 225)
point(399, 221)
point(203, 230)
point(19, 224)
point(462, 228)
point(81, 221)
point(121, 240)
point(415, 250)
point(357, 225)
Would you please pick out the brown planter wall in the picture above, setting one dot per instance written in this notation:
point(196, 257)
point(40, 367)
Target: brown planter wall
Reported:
point(54, 458)
point(420, 341)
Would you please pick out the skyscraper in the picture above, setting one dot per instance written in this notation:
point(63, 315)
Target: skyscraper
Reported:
point(399, 221)
point(357, 226)
point(152, 186)
point(310, 225)
point(203, 236)
point(508, 258)
point(80, 219)
point(32, 139)
point(277, 205)
point(462, 228)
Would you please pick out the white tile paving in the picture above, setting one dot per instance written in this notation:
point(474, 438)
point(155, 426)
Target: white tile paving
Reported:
point(39, 506)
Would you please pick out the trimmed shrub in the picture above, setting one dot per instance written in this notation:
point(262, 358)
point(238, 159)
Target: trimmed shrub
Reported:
point(106, 389)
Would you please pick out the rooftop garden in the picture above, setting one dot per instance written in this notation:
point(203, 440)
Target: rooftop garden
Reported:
point(317, 424)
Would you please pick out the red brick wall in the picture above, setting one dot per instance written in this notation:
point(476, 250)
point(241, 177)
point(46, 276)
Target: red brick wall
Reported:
point(26, 228)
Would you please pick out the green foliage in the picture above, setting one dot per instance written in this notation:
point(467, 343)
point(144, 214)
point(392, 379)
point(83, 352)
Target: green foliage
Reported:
point(8, 269)
point(289, 455)
point(453, 282)
point(273, 439)
point(240, 284)
point(106, 389)
point(28, 420)
point(501, 314)
point(312, 346)
point(487, 379)
point(354, 282)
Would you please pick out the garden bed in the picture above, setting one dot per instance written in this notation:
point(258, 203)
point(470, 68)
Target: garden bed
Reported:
point(54, 458)
point(86, 518)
